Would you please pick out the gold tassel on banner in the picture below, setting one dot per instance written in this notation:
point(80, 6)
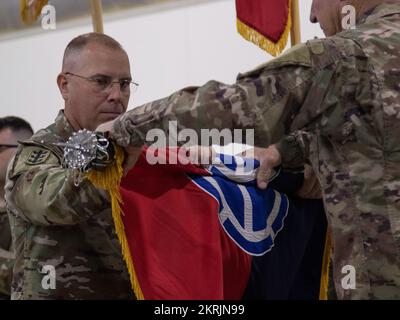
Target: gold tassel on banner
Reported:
point(324, 284)
point(30, 10)
point(263, 42)
point(110, 180)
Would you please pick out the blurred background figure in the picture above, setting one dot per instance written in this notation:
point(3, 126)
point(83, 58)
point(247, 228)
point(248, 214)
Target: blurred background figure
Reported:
point(12, 130)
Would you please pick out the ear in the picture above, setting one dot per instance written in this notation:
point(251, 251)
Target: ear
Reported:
point(62, 83)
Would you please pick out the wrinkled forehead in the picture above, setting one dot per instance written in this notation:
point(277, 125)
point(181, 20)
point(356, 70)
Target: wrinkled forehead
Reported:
point(100, 59)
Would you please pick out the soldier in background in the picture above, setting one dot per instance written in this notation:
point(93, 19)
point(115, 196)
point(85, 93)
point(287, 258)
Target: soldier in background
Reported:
point(64, 236)
point(344, 91)
point(12, 130)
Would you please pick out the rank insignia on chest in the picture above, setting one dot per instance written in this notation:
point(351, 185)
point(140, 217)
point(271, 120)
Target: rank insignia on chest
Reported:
point(37, 156)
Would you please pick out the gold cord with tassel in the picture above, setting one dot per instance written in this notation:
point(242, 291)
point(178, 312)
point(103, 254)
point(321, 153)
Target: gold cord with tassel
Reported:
point(110, 180)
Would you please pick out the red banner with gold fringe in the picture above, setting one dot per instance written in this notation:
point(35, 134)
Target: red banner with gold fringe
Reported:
point(266, 23)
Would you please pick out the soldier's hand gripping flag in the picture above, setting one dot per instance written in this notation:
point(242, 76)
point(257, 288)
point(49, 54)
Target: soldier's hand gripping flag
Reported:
point(188, 232)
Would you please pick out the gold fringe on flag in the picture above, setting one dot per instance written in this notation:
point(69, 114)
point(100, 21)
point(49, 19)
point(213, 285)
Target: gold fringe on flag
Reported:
point(324, 284)
point(30, 10)
point(262, 41)
point(110, 180)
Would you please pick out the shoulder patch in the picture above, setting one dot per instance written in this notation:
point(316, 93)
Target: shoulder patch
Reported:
point(37, 156)
point(316, 47)
point(28, 156)
point(325, 52)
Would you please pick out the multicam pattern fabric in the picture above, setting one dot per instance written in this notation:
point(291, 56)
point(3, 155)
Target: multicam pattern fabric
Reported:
point(345, 92)
point(60, 227)
point(6, 255)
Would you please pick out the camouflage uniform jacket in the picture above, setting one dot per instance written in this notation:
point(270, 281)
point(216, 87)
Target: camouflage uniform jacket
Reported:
point(59, 229)
point(345, 92)
point(6, 255)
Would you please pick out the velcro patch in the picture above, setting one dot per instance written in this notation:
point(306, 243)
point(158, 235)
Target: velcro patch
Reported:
point(37, 157)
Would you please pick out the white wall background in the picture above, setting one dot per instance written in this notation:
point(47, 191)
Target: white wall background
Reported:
point(168, 49)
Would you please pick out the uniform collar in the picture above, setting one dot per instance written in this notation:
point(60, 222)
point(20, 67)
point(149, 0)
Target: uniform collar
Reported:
point(61, 126)
point(382, 10)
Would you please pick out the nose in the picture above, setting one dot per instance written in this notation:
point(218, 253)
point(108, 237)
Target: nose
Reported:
point(115, 94)
point(313, 16)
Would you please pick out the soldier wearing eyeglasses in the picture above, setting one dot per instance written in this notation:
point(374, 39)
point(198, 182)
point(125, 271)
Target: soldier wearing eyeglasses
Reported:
point(66, 245)
point(12, 129)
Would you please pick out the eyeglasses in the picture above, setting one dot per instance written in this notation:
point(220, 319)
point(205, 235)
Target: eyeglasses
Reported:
point(103, 83)
point(7, 146)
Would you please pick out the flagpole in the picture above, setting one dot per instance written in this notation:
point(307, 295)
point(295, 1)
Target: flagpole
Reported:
point(295, 34)
point(97, 15)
